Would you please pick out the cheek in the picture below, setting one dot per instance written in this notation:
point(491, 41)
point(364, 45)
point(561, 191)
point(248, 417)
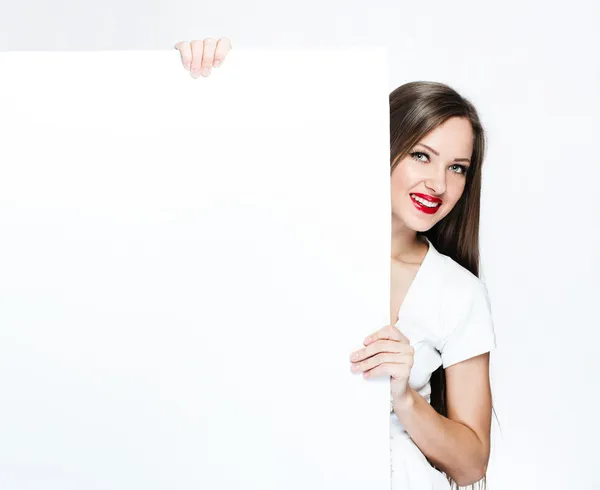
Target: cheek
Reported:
point(401, 178)
point(461, 187)
point(454, 192)
point(398, 188)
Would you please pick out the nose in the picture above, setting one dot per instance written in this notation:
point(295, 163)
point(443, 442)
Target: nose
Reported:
point(436, 180)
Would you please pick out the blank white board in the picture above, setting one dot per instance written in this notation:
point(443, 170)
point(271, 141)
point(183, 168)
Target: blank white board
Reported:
point(185, 267)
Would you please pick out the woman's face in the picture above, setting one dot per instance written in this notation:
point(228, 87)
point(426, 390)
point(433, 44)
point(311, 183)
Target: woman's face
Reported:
point(428, 182)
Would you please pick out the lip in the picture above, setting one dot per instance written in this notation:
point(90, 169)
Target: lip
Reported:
point(426, 197)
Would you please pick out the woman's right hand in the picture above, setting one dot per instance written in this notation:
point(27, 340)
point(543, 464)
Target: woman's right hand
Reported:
point(199, 57)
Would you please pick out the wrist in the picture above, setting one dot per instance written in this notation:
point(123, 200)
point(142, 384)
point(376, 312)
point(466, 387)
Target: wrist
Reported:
point(404, 403)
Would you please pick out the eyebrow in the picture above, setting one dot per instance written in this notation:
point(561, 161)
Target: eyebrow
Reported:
point(437, 154)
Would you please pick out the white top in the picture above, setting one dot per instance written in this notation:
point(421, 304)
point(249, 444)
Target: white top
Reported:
point(446, 316)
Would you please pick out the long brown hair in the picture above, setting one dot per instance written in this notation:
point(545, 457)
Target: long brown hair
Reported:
point(416, 108)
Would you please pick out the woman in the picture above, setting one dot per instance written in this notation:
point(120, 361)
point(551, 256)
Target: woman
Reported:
point(436, 348)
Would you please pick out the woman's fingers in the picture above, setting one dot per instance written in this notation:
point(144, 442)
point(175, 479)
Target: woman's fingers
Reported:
point(400, 372)
point(197, 53)
point(395, 359)
point(208, 56)
point(380, 346)
point(388, 332)
point(386, 352)
point(199, 56)
point(223, 47)
point(185, 50)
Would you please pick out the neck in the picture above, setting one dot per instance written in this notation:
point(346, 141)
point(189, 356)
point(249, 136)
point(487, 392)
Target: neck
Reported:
point(404, 240)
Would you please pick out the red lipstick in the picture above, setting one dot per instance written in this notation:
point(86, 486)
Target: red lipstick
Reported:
point(423, 207)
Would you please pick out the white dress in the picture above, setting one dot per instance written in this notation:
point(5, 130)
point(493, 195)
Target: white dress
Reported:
point(446, 316)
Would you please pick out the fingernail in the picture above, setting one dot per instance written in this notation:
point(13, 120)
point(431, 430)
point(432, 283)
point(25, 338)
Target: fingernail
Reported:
point(187, 66)
point(354, 356)
point(217, 63)
point(195, 74)
point(368, 339)
point(355, 367)
point(206, 72)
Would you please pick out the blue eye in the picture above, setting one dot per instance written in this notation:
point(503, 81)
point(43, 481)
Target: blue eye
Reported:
point(419, 153)
point(459, 169)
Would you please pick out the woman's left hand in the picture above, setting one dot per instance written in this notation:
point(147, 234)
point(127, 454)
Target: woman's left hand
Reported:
point(386, 352)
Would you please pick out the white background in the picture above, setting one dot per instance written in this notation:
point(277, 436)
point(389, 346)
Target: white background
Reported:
point(533, 73)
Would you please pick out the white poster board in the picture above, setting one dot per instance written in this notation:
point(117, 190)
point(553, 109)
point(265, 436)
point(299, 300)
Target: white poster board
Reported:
point(185, 267)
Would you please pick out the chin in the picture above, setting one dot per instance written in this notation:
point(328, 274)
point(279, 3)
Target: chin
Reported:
point(420, 225)
point(422, 228)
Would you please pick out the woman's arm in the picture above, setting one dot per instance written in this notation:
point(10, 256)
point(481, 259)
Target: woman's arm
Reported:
point(459, 444)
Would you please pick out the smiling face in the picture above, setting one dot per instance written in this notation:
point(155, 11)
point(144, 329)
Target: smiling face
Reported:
point(428, 182)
